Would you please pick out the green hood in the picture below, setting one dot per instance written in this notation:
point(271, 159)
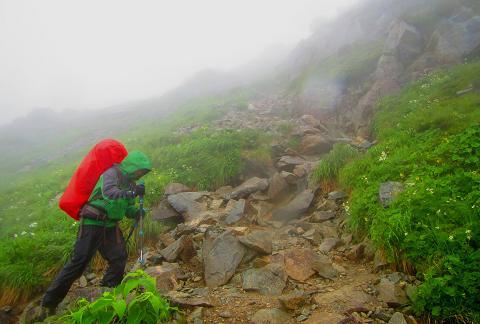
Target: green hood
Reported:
point(134, 161)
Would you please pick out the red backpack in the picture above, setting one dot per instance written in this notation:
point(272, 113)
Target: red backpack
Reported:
point(101, 157)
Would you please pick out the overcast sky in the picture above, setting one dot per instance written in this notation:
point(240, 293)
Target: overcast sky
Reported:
point(82, 54)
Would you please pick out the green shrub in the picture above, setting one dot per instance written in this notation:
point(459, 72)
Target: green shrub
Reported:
point(429, 139)
point(135, 300)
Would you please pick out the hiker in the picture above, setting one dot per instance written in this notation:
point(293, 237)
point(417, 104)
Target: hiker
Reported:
point(113, 197)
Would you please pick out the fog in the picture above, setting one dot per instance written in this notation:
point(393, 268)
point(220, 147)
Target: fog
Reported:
point(86, 54)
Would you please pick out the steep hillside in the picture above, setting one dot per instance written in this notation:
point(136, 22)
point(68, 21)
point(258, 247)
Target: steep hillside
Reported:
point(385, 98)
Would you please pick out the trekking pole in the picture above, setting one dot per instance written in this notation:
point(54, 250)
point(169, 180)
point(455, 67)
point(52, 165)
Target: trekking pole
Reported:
point(140, 230)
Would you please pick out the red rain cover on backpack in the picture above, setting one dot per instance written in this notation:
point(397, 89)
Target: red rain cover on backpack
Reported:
point(101, 157)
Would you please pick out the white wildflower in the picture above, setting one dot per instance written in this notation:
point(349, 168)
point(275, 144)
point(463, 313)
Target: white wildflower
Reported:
point(23, 233)
point(15, 235)
point(468, 231)
point(33, 225)
point(450, 237)
point(383, 156)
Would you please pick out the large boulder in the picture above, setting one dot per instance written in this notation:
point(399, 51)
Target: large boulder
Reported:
point(250, 186)
point(164, 211)
point(260, 241)
point(236, 212)
point(278, 187)
point(181, 248)
point(391, 293)
point(294, 208)
point(269, 280)
point(222, 253)
point(315, 144)
point(186, 203)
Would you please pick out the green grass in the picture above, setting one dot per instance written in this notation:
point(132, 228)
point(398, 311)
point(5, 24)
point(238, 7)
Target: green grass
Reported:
point(429, 139)
point(331, 164)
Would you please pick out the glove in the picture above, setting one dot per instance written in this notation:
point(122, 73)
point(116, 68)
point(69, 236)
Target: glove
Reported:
point(139, 190)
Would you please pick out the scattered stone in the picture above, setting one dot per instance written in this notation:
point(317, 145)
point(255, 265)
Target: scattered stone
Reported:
point(410, 290)
point(323, 266)
point(321, 317)
point(294, 208)
point(185, 300)
point(166, 238)
point(196, 317)
point(329, 244)
point(91, 276)
point(322, 216)
point(356, 253)
point(259, 196)
point(313, 235)
point(271, 316)
point(82, 282)
point(289, 162)
point(344, 298)
point(216, 204)
point(298, 263)
point(165, 276)
point(225, 314)
point(222, 253)
point(327, 205)
point(391, 293)
point(389, 191)
point(269, 280)
point(183, 248)
point(236, 213)
point(299, 171)
point(250, 254)
point(224, 191)
point(278, 187)
point(250, 186)
point(397, 318)
point(294, 300)
point(260, 241)
point(309, 120)
point(174, 188)
point(337, 195)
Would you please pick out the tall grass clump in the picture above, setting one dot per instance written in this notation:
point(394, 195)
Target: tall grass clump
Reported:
point(330, 165)
point(429, 140)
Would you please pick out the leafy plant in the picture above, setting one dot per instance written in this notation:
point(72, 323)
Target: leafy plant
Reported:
point(135, 300)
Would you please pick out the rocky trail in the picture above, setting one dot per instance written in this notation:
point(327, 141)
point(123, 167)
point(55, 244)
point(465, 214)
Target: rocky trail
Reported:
point(270, 250)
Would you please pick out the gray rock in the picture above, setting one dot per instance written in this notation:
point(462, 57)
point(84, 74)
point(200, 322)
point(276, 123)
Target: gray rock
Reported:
point(222, 253)
point(324, 267)
point(391, 293)
point(322, 216)
point(337, 195)
point(271, 316)
point(289, 162)
point(294, 208)
point(196, 317)
point(164, 211)
point(329, 244)
point(174, 188)
point(397, 318)
point(313, 235)
point(165, 276)
point(183, 247)
point(389, 191)
point(236, 213)
point(289, 177)
point(82, 282)
point(186, 204)
point(260, 241)
point(315, 144)
point(278, 187)
point(404, 41)
point(250, 186)
point(458, 36)
point(269, 280)
point(294, 300)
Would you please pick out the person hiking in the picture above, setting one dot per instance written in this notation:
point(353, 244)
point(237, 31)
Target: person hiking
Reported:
point(112, 198)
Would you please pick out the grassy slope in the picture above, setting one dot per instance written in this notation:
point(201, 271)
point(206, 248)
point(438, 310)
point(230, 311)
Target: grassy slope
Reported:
point(429, 139)
point(36, 237)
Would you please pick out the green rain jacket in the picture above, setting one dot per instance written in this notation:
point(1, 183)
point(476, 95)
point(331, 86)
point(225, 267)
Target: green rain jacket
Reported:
point(113, 191)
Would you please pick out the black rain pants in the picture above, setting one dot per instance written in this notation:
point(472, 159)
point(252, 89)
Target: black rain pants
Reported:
point(111, 245)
